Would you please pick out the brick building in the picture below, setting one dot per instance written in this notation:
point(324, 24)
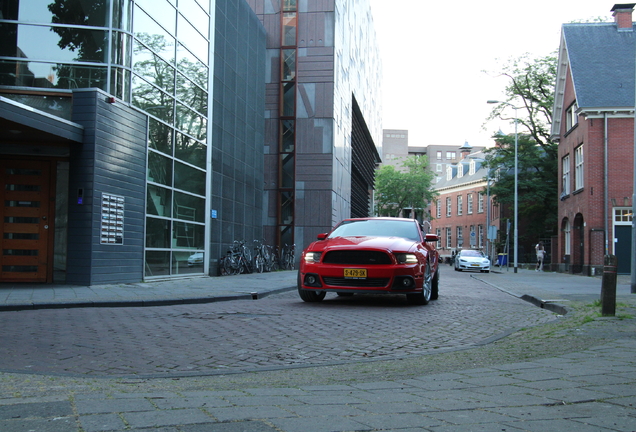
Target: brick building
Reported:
point(460, 215)
point(593, 122)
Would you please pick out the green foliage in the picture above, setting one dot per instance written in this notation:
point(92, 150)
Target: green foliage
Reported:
point(398, 190)
point(531, 90)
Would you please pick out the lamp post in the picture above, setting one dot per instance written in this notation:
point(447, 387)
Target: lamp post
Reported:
point(516, 227)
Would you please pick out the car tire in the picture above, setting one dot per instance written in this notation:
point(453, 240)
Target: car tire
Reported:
point(425, 296)
point(435, 286)
point(309, 296)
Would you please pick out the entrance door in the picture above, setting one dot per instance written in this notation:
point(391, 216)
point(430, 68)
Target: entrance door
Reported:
point(26, 220)
point(623, 248)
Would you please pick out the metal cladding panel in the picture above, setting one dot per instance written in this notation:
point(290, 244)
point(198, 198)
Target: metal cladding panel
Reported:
point(111, 161)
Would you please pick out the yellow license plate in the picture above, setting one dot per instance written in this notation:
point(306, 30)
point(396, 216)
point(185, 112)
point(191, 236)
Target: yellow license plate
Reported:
point(355, 273)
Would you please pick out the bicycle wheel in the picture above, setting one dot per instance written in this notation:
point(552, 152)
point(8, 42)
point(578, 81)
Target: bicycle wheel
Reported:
point(259, 263)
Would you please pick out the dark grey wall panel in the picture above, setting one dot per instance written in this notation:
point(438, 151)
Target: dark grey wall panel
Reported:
point(112, 160)
point(238, 127)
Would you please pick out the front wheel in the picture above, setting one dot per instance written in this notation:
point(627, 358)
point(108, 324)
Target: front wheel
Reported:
point(427, 286)
point(435, 286)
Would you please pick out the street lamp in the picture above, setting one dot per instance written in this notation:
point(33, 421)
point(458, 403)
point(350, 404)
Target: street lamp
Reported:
point(516, 227)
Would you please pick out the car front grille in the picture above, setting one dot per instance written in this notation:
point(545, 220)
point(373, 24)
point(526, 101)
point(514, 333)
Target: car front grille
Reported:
point(364, 283)
point(357, 257)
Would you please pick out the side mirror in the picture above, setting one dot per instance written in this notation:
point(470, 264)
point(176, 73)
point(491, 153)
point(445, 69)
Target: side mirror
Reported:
point(322, 236)
point(432, 237)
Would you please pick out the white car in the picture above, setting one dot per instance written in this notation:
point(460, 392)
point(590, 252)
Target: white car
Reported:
point(195, 259)
point(470, 259)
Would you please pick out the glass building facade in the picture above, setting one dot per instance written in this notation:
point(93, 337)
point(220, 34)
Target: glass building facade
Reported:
point(158, 57)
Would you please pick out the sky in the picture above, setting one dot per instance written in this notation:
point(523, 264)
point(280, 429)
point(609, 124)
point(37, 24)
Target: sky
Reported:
point(441, 59)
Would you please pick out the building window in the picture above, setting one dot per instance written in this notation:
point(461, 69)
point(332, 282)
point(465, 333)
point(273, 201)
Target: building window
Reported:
point(473, 236)
point(571, 117)
point(470, 203)
point(438, 231)
point(566, 237)
point(578, 167)
point(480, 236)
point(439, 209)
point(439, 155)
point(460, 170)
point(448, 206)
point(451, 155)
point(460, 236)
point(622, 215)
point(460, 205)
point(565, 185)
point(439, 167)
point(449, 173)
point(449, 238)
point(480, 204)
point(473, 167)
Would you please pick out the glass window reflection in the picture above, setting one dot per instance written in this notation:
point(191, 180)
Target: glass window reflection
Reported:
point(188, 235)
point(190, 122)
point(153, 68)
point(157, 233)
point(152, 100)
point(188, 262)
point(162, 11)
point(154, 36)
point(83, 12)
point(192, 39)
point(189, 179)
point(191, 67)
point(188, 207)
point(193, 13)
point(157, 263)
point(190, 150)
point(160, 136)
point(158, 201)
point(159, 169)
point(192, 95)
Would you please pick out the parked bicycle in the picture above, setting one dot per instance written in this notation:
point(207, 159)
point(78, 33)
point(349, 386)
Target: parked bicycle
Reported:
point(287, 257)
point(237, 260)
point(261, 257)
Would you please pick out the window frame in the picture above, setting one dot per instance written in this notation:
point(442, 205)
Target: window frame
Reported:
point(565, 174)
point(460, 205)
point(579, 168)
point(449, 207)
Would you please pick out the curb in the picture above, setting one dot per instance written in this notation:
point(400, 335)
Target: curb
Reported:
point(255, 295)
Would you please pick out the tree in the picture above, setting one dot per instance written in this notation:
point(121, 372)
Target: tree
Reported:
point(531, 88)
point(408, 189)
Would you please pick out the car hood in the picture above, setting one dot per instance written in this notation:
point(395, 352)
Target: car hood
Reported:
point(393, 244)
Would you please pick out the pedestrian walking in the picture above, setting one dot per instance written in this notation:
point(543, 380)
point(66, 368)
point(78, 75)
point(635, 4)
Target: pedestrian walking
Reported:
point(540, 255)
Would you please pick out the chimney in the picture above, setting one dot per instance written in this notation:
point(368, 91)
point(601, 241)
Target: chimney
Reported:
point(466, 149)
point(623, 15)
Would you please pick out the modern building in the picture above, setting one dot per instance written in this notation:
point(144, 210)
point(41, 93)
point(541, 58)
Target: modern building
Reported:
point(139, 138)
point(323, 115)
point(593, 122)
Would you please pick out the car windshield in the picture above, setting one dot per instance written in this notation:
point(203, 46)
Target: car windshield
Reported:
point(471, 253)
point(377, 228)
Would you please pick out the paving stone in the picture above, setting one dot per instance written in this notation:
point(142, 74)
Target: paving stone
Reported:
point(35, 410)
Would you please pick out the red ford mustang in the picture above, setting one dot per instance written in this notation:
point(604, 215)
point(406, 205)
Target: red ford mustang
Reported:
point(371, 255)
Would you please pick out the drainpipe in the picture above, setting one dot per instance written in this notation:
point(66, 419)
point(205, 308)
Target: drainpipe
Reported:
point(605, 186)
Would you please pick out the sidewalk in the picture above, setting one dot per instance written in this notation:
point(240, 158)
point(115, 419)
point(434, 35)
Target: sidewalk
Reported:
point(546, 287)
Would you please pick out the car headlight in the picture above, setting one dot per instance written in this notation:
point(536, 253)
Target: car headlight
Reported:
point(312, 257)
point(405, 258)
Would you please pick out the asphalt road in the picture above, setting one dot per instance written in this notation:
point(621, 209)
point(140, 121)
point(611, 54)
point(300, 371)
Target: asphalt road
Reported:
point(276, 332)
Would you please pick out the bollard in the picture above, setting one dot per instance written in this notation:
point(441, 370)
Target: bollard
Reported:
point(608, 289)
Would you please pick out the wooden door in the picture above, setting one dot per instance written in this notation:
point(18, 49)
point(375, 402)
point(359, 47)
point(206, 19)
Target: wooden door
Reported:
point(26, 220)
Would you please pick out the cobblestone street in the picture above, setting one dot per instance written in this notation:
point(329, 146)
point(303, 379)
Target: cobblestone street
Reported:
point(277, 331)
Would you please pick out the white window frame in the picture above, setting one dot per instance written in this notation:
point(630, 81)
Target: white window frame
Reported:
point(460, 235)
point(565, 183)
point(438, 231)
point(571, 117)
point(473, 166)
point(579, 165)
point(460, 205)
point(480, 204)
point(439, 167)
point(480, 236)
point(469, 203)
point(449, 205)
point(449, 238)
point(439, 208)
point(439, 155)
